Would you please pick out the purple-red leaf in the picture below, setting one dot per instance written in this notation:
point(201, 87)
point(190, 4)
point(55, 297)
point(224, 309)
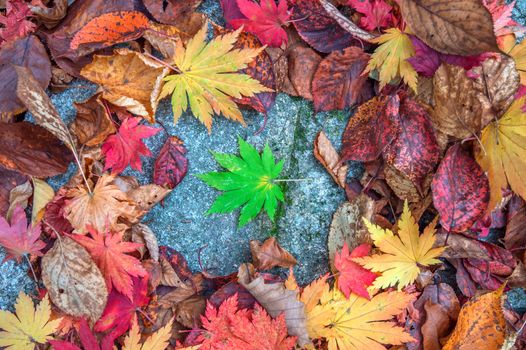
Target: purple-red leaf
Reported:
point(171, 164)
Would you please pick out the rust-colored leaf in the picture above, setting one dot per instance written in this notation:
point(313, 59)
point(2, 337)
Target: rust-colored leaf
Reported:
point(93, 124)
point(270, 254)
point(171, 11)
point(8, 181)
point(171, 164)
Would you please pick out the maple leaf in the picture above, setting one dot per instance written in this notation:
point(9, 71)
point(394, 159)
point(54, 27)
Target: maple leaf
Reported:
point(126, 146)
point(15, 22)
point(509, 46)
point(248, 183)
point(156, 341)
point(108, 251)
point(358, 323)
point(87, 339)
point(29, 326)
point(353, 277)
point(264, 20)
point(404, 253)
point(209, 77)
point(18, 238)
point(227, 327)
point(120, 310)
point(501, 14)
point(101, 209)
point(390, 58)
point(500, 156)
point(376, 13)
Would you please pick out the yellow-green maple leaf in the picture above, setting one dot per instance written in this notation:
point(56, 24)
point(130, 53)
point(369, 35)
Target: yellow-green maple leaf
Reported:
point(29, 326)
point(403, 254)
point(509, 45)
point(209, 77)
point(157, 341)
point(390, 58)
point(503, 151)
point(357, 323)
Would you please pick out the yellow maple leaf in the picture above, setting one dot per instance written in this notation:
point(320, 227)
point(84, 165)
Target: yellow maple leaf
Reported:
point(357, 323)
point(502, 153)
point(508, 45)
point(157, 341)
point(404, 253)
point(29, 326)
point(390, 58)
point(209, 77)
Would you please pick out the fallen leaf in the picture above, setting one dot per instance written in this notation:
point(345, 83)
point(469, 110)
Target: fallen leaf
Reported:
point(100, 209)
point(459, 246)
point(516, 51)
point(459, 27)
point(302, 63)
point(460, 190)
point(156, 341)
point(8, 181)
point(111, 28)
point(403, 187)
point(270, 254)
point(74, 282)
point(514, 239)
point(54, 219)
point(403, 254)
point(193, 87)
point(348, 25)
point(42, 195)
point(339, 83)
point(128, 79)
point(92, 124)
point(376, 14)
point(172, 11)
point(436, 326)
point(276, 299)
point(171, 164)
point(144, 235)
point(29, 326)
point(352, 277)
point(27, 52)
point(108, 250)
point(501, 13)
point(480, 324)
point(19, 197)
point(16, 23)
point(325, 153)
point(145, 197)
point(87, 339)
point(50, 16)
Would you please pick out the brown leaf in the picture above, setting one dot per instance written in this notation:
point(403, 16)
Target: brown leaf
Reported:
point(403, 187)
point(93, 124)
point(458, 27)
point(75, 284)
point(8, 180)
point(515, 239)
point(436, 326)
point(330, 159)
point(51, 16)
point(302, 64)
point(270, 254)
point(128, 79)
point(276, 299)
point(144, 235)
point(171, 11)
point(32, 150)
point(189, 311)
point(30, 53)
point(169, 277)
point(518, 278)
point(146, 197)
point(19, 196)
point(459, 246)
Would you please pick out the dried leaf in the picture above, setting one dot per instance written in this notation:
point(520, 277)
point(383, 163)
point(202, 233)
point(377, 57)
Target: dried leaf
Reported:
point(8, 181)
point(270, 254)
point(51, 16)
point(330, 159)
point(42, 195)
point(460, 27)
point(128, 79)
point(515, 239)
point(146, 196)
point(92, 124)
point(302, 64)
point(144, 235)
point(459, 247)
point(74, 282)
point(171, 11)
point(436, 326)
point(171, 164)
point(403, 187)
point(18, 197)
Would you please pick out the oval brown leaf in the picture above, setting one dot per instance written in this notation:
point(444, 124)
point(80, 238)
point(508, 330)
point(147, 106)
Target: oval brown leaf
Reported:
point(74, 281)
point(458, 27)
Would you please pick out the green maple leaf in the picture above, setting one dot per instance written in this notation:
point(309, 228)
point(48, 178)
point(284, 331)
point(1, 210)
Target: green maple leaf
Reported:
point(249, 183)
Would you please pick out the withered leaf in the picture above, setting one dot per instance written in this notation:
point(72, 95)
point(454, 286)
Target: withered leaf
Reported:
point(27, 52)
point(302, 64)
point(146, 196)
point(339, 83)
point(93, 124)
point(459, 246)
point(436, 325)
point(403, 187)
point(270, 254)
point(458, 27)
point(128, 79)
point(32, 150)
point(19, 196)
point(51, 16)
point(8, 180)
point(74, 281)
point(171, 164)
point(326, 154)
point(171, 11)
point(141, 233)
point(515, 239)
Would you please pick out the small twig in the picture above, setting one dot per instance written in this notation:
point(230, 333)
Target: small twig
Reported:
point(31, 268)
point(262, 126)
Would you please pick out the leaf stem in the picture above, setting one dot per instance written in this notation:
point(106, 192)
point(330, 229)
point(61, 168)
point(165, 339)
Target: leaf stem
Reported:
point(294, 180)
point(31, 268)
point(174, 68)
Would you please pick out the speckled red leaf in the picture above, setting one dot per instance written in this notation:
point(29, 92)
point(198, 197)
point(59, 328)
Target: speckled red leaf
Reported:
point(373, 127)
point(111, 28)
point(177, 261)
point(317, 28)
point(460, 190)
point(338, 82)
point(171, 11)
point(415, 151)
point(171, 164)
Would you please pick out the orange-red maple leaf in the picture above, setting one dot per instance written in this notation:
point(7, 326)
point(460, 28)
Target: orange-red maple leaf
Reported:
point(126, 146)
point(108, 251)
point(353, 278)
point(264, 20)
point(19, 239)
point(227, 327)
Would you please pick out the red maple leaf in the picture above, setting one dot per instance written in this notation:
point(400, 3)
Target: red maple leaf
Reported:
point(376, 13)
point(15, 21)
point(264, 20)
point(120, 309)
point(227, 327)
point(126, 146)
point(19, 239)
point(353, 277)
point(108, 251)
point(87, 339)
